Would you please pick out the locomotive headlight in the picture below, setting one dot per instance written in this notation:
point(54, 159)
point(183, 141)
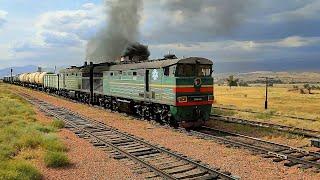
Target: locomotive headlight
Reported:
point(183, 99)
point(210, 98)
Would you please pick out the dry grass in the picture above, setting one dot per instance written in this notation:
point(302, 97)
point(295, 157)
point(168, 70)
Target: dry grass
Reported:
point(23, 138)
point(281, 101)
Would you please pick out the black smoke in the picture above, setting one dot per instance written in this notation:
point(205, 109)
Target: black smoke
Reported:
point(122, 28)
point(136, 51)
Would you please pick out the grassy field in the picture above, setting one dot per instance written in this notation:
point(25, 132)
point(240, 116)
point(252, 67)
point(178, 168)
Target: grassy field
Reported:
point(25, 141)
point(281, 101)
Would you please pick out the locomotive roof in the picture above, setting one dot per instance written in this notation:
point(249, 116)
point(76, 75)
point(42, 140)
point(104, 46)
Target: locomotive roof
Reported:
point(161, 63)
point(153, 64)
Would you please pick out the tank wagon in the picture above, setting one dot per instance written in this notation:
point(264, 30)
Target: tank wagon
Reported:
point(174, 91)
point(32, 80)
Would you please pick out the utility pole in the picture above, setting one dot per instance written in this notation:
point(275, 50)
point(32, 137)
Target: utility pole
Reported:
point(266, 96)
point(266, 101)
point(11, 78)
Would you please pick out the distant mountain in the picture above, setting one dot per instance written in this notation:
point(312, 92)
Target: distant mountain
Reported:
point(284, 77)
point(17, 70)
point(273, 66)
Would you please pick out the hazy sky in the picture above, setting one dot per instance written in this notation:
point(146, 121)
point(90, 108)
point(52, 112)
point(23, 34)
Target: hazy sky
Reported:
point(55, 32)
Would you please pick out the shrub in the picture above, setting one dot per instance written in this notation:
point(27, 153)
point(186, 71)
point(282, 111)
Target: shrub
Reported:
point(52, 143)
point(56, 159)
point(6, 151)
point(44, 129)
point(55, 146)
point(59, 124)
point(302, 91)
point(19, 170)
point(30, 141)
point(8, 174)
point(27, 171)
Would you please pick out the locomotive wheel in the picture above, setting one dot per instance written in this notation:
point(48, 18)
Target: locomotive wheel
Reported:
point(146, 112)
point(173, 122)
point(107, 104)
point(164, 115)
point(114, 105)
point(138, 110)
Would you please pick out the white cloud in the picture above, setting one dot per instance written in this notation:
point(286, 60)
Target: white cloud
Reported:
point(239, 50)
point(208, 46)
point(3, 17)
point(89, 6)
point(81, 23)
point(5, 52)
point(309, 11)
point(63, 29)
point(27, 46)
point(59, 37)
point(289, 42)
point(62, 39)
point(297, 41)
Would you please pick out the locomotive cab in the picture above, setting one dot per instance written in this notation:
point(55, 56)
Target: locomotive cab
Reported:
point(193, 91)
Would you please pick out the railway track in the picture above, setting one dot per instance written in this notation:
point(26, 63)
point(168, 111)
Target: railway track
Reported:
point(279, 152)
point(257, 112)
point(289, 129)
point(152, 161)
point(293, 130)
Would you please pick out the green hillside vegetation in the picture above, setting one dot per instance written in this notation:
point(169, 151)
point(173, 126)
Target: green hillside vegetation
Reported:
point(23, 139)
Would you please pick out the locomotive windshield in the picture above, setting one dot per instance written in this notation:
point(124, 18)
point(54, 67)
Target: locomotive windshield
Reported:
point(192, 70)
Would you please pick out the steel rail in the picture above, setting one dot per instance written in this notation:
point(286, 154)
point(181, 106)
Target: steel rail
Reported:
point(289, 129)
point(130, 156)
point(256, 112)
point(264, 141)
point(264, 150)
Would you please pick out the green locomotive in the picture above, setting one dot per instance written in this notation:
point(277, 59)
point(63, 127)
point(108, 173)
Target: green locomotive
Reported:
point(170, 90)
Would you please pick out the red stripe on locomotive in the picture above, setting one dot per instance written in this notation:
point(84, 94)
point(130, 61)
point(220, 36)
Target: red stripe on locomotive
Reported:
point(192, 90)
point(194, 103)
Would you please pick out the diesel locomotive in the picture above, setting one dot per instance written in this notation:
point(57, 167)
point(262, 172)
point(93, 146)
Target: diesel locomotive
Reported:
point(170, 90)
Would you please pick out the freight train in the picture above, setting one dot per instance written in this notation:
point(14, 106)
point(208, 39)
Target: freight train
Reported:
point(170, 90)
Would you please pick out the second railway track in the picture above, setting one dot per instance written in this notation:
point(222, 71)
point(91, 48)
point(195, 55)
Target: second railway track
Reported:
point(289, 129)
point(153, 161)
point(279, 152)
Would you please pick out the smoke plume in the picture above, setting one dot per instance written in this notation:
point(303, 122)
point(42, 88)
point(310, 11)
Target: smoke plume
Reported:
point(136, 50)
point(122, 29)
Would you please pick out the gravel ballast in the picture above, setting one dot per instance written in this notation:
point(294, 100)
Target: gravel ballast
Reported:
point(237, 161)
point(87, 162)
